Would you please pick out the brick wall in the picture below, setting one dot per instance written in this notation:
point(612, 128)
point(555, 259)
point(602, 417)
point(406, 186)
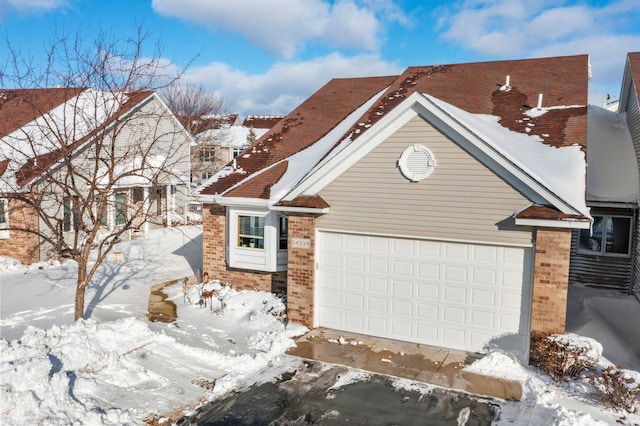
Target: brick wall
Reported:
point(301, 264)
point(21, 245)
point(214, 256)
point(550, 280)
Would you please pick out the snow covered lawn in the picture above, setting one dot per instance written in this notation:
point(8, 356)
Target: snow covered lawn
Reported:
point(119, 368)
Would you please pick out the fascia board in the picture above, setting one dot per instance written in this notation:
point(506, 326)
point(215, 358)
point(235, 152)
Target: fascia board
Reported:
point(311, 210)
point(240, 202)
point(418, 104)
point(542, 223)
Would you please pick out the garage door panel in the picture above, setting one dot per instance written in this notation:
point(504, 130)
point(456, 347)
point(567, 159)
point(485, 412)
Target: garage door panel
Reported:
point(377, 325)
point(378, 266)
point(481, 276)
point(402, 307)
point(401, 288)
point(378, 285)
point(354, 301)
point(354, 282)
point(483, 319)
point(438, 293)
point(377, 304)
point(428, 291)
point(402, 247)
point(455, 295)
point(354, 321)
point(402, 268)
point(429, 249)
point(483, 298)
point(401, 329)
point(427, 311)
point(455, 274)
point(354, 243)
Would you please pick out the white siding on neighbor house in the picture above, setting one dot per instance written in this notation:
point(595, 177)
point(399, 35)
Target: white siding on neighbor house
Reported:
point(149, 126)
point(461, 200)
point(633, 123)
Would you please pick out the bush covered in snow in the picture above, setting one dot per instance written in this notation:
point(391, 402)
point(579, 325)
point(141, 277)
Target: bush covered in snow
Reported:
point(620, 388)
point(564, 355)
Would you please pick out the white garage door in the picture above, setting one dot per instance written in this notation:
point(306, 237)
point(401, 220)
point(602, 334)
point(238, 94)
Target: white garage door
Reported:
point(437, 293)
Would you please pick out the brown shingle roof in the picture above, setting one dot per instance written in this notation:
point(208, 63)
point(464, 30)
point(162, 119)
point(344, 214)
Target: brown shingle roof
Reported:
point(475, 88)
point(20, 106)
point(547, 213)
point(261, 121)
point(313, 119)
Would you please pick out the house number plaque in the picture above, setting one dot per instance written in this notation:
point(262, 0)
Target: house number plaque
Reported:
point(303, 243)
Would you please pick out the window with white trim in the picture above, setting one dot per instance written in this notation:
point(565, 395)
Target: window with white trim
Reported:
point(610, 235)
point(251, 232)
point(208, 154)
point(4, 218)
point(283, 232)
point(121, 208)
point(70, 214)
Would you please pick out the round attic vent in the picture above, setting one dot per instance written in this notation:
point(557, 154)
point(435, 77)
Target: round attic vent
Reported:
point(416, 163)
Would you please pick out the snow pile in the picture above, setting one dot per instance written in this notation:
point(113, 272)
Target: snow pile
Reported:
point(122, 371)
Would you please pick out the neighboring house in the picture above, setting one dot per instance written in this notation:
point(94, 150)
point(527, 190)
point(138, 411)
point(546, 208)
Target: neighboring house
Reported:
point(222, 140)
point(41, 127)
point(434, 207)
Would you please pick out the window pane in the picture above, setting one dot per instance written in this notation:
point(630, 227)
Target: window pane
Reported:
point(251, 231)
point(66, 214)
point(121, 208)
point(617, 239)
point(3, 213)
point(283, 232)
point(591, 239)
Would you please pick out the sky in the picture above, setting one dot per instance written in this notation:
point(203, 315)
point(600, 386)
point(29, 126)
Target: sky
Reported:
point(267, 56)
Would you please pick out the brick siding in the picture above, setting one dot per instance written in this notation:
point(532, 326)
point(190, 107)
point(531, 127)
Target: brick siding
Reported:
point(550, 280)
point(21, 245)
point(301, 265)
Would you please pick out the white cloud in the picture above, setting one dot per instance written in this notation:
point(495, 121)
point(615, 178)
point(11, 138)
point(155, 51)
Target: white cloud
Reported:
point(518, 28)
point(31, 6)
point(286, 84)
point(283, 27)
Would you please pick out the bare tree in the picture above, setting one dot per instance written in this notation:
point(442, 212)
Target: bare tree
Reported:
point(202, 113)
point(97, 157)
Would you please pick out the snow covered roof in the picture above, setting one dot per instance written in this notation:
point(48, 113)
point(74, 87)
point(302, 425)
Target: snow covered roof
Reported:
point(612, 172)
point(229, 136)
point(39, 126)
point(501, 97)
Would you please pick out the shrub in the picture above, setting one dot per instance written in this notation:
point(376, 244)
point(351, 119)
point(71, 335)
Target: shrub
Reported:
point(563, 355)
point(620, 388)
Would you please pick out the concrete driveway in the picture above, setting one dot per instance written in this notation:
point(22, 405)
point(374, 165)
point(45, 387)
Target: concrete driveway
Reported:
point(313, 395)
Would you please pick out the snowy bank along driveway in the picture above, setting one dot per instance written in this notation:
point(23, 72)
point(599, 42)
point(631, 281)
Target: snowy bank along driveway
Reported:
point(118, 368)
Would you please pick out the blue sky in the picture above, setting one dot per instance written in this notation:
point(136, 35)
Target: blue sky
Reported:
point(267, 56)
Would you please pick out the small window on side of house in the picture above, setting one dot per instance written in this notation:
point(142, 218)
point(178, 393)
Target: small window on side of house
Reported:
point(251, 232)
point(283, 232)
point(121, 208)
point(4, 218)
point(609, 235)
point(4, 214)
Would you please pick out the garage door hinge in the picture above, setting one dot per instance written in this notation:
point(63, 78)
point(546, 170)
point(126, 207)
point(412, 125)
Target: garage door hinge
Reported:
point(316, 266)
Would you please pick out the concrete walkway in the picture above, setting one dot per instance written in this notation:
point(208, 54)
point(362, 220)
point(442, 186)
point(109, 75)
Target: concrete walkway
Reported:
point(428, 364)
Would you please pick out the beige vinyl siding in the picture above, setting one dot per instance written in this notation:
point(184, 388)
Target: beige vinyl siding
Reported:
point(461, 200)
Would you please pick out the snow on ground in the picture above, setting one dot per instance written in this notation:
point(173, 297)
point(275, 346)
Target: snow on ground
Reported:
point(116, 367)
